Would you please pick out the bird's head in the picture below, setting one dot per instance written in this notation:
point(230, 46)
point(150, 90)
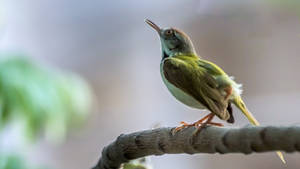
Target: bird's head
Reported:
point(173, 41)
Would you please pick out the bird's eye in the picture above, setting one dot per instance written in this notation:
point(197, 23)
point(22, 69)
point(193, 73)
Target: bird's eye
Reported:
point(169, 32)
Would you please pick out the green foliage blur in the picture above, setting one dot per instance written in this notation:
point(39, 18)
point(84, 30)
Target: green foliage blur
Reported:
point(141, 163)
point(133, 166)
point(39, 100)
point(15, 162)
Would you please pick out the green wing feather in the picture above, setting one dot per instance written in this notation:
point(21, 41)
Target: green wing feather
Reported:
point(210, 67)
point(218, 74)
point(194, 78)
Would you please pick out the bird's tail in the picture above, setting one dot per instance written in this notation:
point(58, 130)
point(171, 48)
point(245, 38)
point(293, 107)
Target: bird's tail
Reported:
point(241, 105)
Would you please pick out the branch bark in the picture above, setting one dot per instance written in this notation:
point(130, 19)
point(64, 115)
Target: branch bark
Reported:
point(209, 140)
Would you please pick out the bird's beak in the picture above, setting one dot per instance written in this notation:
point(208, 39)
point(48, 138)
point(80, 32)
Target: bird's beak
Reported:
point(153, 25)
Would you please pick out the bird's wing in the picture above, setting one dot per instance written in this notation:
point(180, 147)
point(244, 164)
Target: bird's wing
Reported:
point(198, 83)
point(210, 67)
point(221, 77)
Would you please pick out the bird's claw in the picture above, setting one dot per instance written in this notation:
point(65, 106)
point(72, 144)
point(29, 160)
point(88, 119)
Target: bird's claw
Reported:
point(198, 125)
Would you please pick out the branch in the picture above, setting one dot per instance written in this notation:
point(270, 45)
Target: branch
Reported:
point(209, 140)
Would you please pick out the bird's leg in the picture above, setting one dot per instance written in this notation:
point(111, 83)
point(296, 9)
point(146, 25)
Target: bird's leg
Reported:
point(216, 124)
point(199, 123)
point(208, 121)
point(228, 91)
point(184, 124)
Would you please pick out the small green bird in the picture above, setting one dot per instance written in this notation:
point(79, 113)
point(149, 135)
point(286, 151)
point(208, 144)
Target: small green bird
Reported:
point(196, 82)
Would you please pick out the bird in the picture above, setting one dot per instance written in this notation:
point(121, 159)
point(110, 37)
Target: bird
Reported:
point(198, 83)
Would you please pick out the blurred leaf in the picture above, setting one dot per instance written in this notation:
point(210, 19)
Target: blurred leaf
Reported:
point(14, 162)
point(41, 99)
point(141, 163)
point(133, 166)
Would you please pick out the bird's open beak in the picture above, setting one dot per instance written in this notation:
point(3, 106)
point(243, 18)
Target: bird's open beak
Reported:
point(153, 25)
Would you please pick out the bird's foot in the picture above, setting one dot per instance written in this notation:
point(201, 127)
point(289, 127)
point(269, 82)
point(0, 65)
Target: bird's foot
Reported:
point(196, 124)
point(184, 125)
point(199, 124)
point(214, 124)
point(207, 123)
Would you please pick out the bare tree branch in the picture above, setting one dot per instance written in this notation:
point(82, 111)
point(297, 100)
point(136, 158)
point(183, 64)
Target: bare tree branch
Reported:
point(209, 140)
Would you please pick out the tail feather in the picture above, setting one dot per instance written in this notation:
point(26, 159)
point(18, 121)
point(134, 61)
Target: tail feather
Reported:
point(241, 105)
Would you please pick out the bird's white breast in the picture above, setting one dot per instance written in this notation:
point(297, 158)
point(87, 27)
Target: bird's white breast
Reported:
point(179, 94)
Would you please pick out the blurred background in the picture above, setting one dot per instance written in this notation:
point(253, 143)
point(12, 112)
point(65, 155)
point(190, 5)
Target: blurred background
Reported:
point(115, 59)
